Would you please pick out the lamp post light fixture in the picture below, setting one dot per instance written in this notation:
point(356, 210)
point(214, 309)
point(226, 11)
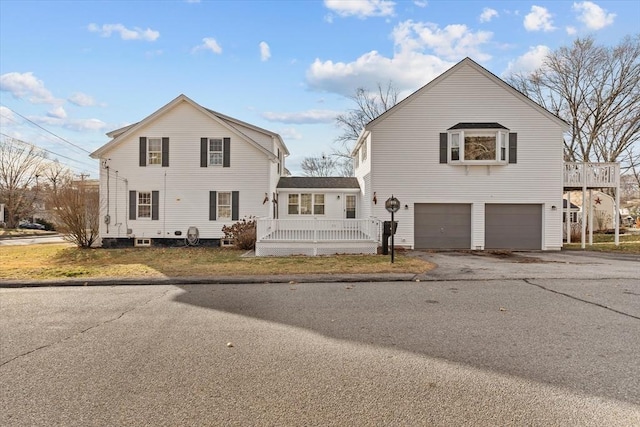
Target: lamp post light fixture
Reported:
point(392, 205)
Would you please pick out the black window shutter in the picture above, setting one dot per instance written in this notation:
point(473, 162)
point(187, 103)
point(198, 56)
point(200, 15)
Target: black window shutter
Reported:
point(444, 155)
point(203, 152)
point(165, 152)
point(513, 148)
point(155, 205)
point(235, 208)
point(133, 210)
point(143, 151)
point(212, 205)
point(226, 155)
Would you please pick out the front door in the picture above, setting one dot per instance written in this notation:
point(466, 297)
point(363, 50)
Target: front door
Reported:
point(350, 206)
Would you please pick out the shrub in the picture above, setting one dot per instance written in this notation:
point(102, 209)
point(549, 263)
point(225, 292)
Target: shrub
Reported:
point(242, 233)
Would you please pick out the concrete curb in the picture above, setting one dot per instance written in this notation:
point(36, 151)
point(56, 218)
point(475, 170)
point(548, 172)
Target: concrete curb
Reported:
point(220, 280)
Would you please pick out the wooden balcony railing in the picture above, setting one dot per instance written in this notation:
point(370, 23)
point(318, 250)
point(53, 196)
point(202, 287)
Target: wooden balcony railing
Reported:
point(591, 175)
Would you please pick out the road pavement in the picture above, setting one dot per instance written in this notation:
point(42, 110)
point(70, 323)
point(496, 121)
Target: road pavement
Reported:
point(549, 344)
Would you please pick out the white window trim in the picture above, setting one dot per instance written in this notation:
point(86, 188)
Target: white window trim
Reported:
point(502, 140)
point(210, 151)
point(219, 205)
point(159, 152)
point(138, 204)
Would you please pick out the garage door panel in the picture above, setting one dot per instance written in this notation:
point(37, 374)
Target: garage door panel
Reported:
point(442, 226)
point(513, 226)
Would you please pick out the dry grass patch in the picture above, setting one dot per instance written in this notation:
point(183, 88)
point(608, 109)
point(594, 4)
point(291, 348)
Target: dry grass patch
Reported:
point(629, 243)
point(61, 261)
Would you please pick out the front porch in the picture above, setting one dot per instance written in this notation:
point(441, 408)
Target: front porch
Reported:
point(314, 236)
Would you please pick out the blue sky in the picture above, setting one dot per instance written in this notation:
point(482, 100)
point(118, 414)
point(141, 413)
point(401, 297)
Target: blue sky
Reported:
point(78, 69)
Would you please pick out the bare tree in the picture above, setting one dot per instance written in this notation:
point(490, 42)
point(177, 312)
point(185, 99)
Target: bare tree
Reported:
point(21, 165)
point(77, 209)
point(597, 90)
point(368, 106)
point(319, 166)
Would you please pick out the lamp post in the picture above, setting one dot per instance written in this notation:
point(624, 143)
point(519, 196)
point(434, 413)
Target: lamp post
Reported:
point(392, 205)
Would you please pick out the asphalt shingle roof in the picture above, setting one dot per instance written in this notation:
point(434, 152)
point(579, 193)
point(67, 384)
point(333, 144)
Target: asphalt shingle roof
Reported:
point(317, 182)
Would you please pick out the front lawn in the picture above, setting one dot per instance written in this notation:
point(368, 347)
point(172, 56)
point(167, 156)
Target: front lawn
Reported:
point(55, 261)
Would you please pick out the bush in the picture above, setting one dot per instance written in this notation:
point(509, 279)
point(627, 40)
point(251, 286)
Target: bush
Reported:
point(242, 233)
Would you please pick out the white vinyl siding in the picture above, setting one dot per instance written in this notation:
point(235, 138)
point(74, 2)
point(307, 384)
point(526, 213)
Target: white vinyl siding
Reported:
point(411, 171)
point(184, 185)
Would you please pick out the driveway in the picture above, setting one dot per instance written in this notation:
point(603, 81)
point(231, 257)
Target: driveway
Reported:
point(463, 346)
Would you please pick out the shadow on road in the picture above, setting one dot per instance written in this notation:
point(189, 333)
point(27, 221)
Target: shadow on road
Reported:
point(507, 326)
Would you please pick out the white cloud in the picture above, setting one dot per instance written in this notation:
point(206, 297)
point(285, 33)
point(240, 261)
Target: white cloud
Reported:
point(7, 118)
point(422, 51)
point(593, 16)
point(571, 30)
point(125, 33)
point(26, 85)
point(421, 3)
point(153, 53)
point(290, 134)
point(539, 19)
point(265, 51)
point(57, 113)
point(528, 62)
point(452, 42)
point(488, 14)
point(81, 99)
point(208, 43)
point(360, 8)
point(303, 117)
point(78, 125)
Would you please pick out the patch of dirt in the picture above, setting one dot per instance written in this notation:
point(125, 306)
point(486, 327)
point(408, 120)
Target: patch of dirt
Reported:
point(509, 256)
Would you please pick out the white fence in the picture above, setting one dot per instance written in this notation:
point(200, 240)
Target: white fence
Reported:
point(597, 175)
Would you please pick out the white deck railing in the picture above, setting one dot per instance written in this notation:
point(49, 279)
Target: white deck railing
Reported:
point(597, 175)
point(317, 230)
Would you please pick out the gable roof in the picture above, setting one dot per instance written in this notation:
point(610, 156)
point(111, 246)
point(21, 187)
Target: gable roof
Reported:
point(230, 123)
point(480, 69)
point(318, 182)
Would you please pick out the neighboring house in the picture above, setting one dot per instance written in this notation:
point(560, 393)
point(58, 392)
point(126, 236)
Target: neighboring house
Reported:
point(3, 215)
point(475, 164)
point(601, 204)
point(184, 172)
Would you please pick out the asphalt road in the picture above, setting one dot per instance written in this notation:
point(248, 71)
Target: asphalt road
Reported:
point(448, 350)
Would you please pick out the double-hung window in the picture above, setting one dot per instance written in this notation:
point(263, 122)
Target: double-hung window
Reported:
point(154, 150)
point(215, 151)
point(224, 205)
point(144, 204)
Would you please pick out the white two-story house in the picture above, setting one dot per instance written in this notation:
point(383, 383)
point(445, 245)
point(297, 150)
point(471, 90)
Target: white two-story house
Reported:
point(184, 172)
point(475, 164)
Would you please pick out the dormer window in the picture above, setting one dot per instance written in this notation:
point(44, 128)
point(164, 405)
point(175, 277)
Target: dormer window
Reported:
point(477, 143)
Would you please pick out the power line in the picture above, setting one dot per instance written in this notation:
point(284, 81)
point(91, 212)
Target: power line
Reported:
point(46, 130)
point(48, 151)
point(44, 149)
